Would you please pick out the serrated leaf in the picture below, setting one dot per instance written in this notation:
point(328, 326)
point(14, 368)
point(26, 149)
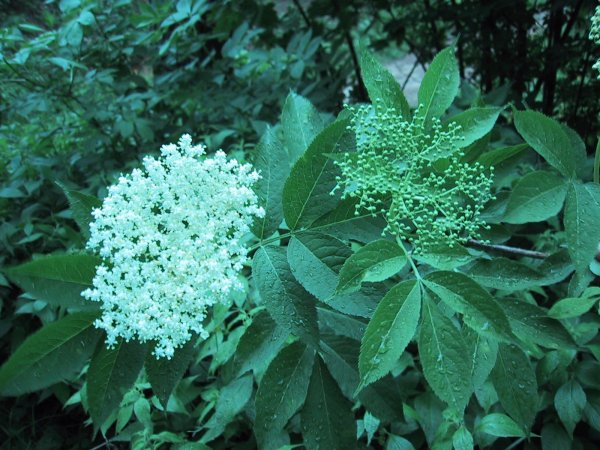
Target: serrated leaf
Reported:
point(445, 358)
point(391, 328)
point(506, 274)
point(376, 261)
point(54, 353)
point(301, 122)
point(164, 374)
point(499, 155)
point(315, 259)
point(232, 399)
point(327, 418)
point(536, 197)
point(570, 401)
point(532, 324)
point(112, 372)
point(282, 391)
point(273, 164)
point(381, 85)
point(285, 299)
point(462, 439)
point(573, 307)
point(57, 279)
point(440, 85)
point(500, 425)
point(341, 324)
point(515, 382)
point(444, 257)
point(582, 216)
point(307, 191)
point(259, 344)
point(547, 137)
point(480, 311)
point(483, 352)
point(398, 443)
point(475, 123)
point(81, 206)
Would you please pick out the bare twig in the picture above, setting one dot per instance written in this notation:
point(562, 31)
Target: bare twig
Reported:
point(506, 249)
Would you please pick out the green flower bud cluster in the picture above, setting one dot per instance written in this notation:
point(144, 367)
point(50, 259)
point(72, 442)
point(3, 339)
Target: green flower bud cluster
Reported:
point(595, 34)
point(411, 173)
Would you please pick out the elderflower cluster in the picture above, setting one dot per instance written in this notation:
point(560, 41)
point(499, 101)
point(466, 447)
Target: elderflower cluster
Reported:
point(170, 236)
point(411, 173)
point(595, 34)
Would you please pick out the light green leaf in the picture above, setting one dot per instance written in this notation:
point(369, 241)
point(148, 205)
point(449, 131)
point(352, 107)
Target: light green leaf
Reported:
point(381, 85)
point(582, 216)
point(547, 137)
point(440, 85)
point(315, 260)
point(574, 307)
point(480, 311)
point(500, 425)
point(273, 164)
point(282, 391)
point(536, 197)
point(398, 443)
point(506, 274)
point(112, 372)
point(57, 279)
point(301, 122)
point(570, 401)
point(232, 399)
point(462, 439)
point(391, 328)
point(516, 385)
point(444, 257)
point(445, 358)
point(475, 123)
point(164, 374)
point(81, 206)
point(258, 345)
point(287, 302)
point(327, 418)
point(376, 261)
point(532, 324)
point(55, 353)
point(307, 191)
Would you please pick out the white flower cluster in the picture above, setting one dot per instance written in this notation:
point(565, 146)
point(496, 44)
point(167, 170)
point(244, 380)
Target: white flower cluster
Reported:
point(595, 34)
point(171, 240)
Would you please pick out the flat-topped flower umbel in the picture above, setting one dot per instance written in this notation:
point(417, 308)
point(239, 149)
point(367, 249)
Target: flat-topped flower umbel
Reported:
point(170, 236)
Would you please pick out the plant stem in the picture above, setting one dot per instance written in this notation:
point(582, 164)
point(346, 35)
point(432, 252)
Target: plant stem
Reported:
point(410, 260)
point(506, 249)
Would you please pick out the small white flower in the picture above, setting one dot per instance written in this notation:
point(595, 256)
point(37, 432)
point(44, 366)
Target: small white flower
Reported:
point(171, 237)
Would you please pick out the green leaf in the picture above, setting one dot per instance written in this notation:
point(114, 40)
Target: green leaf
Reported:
point(537, 196)
point(554, 437)
point(582, 216)
point(164, 374)
point(327, 418)
point(515, 382)
point(55, 353)
point(547, 137)
point(483, 352)
point(391, 328)
point(273, 164)
point(259, 344)
point(376, 261)
point(440, 85)
point(81, 206)
point(462, 439)
point(499, 425)
point(314, 260)
point(232, 399)
point(570, 401)
point(398, 443)
point(307, 191)
point(341, 324)
point(532, 324)
point(506, 274)
point(282, 391)
point(286, 301)
point(480, 311)
point(301, 122)
point(499, 155)
point(445, 358)
point(444, 257)
point(57, 279)
point(112, 372)
point(475, 123)
point(574, 307)
point(381, 85)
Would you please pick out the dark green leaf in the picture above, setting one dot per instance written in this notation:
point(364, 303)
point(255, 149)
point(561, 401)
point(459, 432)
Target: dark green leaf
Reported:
point(554, 437)
point(391, 328)
point(483, 352)
point(570, 401)
point(500, 425)
point(499, 155)
point(506, 274)
point(112, 372)
point(82, 206)
point(475, 123)
point(301, 122)
point(327, 418)
point(55, 353)
point(58, 279)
